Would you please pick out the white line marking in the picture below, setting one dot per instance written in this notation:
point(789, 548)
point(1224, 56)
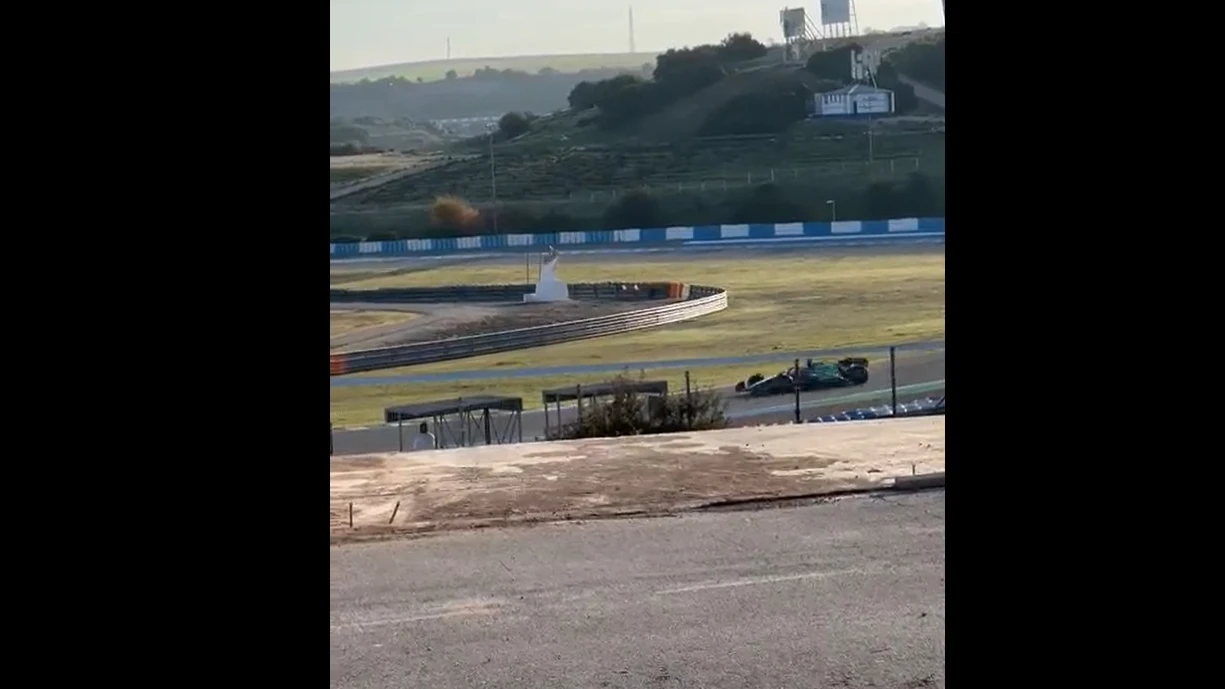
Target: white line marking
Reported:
point(755, 581)
point(461, 610)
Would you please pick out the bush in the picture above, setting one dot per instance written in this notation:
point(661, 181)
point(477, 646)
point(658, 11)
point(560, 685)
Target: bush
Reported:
point(904, 99)
point(677, 73)
point(757, 113)
point(834, 65)
point(767, 203)
point(922, 61)
point(625, 412)
point(513, 124)
point(635, 209)
point(453, 214)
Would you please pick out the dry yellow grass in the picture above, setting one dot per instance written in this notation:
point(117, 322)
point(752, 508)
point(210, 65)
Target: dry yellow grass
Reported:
point(348, 322)
point(776, 303)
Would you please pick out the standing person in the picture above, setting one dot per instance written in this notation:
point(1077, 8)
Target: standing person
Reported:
point(424, 440)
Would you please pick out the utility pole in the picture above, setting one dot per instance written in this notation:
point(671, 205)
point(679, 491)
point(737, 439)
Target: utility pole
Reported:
point(493, 181)
point(870, 145)
point(632, 49)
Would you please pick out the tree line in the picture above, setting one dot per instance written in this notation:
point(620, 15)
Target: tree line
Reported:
point(678, 73)
point(923, 61)
point(487, 92)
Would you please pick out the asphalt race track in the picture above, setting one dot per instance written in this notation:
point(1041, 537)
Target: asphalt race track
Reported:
point(916, 369)
point(721, 250)
point(844, 594)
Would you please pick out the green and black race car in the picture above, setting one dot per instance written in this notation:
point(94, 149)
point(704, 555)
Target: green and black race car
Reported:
point(815, 375)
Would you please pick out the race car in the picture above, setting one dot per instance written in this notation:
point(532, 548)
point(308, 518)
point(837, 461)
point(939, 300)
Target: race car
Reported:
point(815, 375)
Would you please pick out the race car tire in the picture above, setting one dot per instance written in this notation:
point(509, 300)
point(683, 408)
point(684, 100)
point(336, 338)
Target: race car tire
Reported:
point(857, 375)
point(740, 386)
point(755, 378)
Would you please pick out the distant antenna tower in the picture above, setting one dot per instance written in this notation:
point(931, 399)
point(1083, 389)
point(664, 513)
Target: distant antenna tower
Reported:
point(448, 47)
point(632, 48)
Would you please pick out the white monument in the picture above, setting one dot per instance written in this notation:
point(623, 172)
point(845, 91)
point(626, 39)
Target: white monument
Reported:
point(548, 287)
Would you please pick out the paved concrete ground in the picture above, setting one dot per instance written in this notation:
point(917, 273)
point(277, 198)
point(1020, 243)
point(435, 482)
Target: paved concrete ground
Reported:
point(845, 594)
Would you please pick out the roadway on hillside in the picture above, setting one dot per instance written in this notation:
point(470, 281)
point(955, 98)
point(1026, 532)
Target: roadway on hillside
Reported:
point(927, 367)
point(923, 91)
point(844, 594)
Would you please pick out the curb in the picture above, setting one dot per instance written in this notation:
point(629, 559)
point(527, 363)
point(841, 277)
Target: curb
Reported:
point(899, 484)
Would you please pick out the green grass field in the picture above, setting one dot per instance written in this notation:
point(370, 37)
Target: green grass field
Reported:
point(802, 302)
point(434, 70)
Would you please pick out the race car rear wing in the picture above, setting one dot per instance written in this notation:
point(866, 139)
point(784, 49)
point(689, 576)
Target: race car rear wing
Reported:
point(853, 361)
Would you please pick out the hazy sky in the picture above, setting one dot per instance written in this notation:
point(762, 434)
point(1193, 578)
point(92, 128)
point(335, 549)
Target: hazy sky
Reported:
point(367, 33)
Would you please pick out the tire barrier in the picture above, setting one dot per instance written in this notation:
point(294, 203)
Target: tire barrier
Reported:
point(924, 407)
point(696, 300)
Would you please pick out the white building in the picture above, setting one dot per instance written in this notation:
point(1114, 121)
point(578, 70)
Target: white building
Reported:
point(856, 99)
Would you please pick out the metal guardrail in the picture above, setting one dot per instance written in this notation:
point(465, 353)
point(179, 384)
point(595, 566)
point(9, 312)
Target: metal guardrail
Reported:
point(699, 301)
point(585, 291)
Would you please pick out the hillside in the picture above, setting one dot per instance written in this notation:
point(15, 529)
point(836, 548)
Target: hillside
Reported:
point(487, 92)
point(683, 119)
point(435, 70)
point(716, 133)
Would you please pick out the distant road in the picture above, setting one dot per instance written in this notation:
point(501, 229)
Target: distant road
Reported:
point(923, 91)
point(845, 594)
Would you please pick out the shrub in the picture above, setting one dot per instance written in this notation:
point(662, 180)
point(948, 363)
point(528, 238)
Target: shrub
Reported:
point(453, 214)
point(834, 65)
point(513, 124)
point(766, 203)
point(757, 113)
point(635, 209)
point(625, 412)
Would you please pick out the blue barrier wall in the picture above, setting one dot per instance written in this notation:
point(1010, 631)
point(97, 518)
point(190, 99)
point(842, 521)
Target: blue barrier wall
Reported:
point(765, 233)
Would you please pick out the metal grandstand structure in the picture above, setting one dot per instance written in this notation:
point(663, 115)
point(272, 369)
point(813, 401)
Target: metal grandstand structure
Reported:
point(802, 35)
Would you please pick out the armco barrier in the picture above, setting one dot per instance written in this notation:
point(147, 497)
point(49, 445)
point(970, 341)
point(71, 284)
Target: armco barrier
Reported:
point(898, 229)
point(702, 300)
point(582, 291)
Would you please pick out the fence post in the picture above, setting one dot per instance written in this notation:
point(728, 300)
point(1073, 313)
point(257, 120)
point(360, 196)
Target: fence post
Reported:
point(796, 382)
point(893, 376)
point(578, 402)
point(688, 402)
point(350, 515)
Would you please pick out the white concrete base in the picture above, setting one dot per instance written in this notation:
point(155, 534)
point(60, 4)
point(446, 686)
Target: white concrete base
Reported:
point(548, 287)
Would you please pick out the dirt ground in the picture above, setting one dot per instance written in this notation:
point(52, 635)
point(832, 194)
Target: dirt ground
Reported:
point(444, 321)
point(532, 482)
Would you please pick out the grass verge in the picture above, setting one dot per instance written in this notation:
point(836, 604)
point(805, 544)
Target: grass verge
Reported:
point(348, 322)
point(776, 303)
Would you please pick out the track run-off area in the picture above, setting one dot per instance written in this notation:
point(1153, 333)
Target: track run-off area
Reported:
point(785, 302)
